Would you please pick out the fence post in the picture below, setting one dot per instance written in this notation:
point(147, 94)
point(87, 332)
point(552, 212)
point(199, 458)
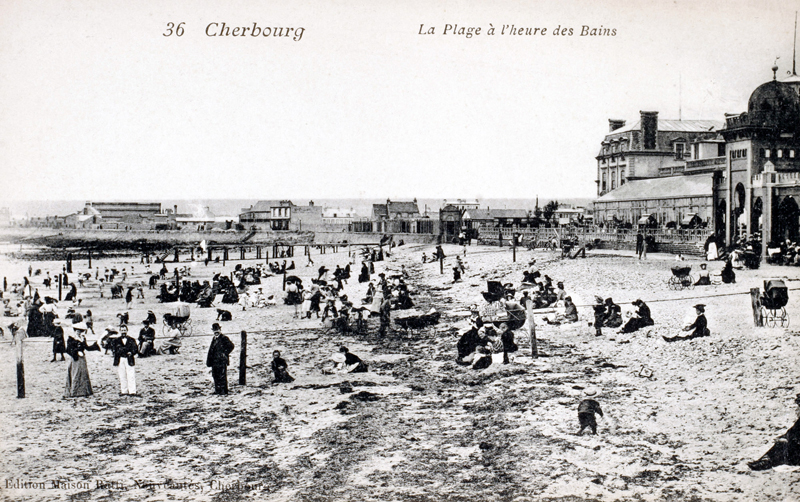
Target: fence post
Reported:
point(60, 281)
point(20, 365)
point(441, 264)
point(243, 360)
point(514, 248)
point(90, 259)
point(755, 293)
point(532, 330)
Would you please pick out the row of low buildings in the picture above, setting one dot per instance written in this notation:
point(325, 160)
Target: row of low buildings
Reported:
point(738, 176)
point(391, 217)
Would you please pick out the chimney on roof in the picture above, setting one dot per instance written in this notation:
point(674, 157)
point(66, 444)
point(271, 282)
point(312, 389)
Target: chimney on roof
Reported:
point(649, 130)
point(175, 208)
point(614, 124)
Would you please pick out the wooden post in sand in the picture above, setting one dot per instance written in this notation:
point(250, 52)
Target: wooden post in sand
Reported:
point(284, 279)
point(90, 259)
point(60, 280)
point(514, 247)
point(441, 264)
point(20, 366)
point(243, 360)
point(532, 330)
point(755, 302)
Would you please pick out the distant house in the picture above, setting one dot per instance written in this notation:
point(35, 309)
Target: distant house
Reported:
point(275, 213)
point(5, 217)
point(205, 219)
point(474, 218)
point(114, 212)
point(567, 215)
point(308, 218)
point(338, 215)
point(396, 210)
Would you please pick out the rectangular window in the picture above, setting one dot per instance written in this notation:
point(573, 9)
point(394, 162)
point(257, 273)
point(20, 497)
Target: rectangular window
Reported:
point(679, 150)
point(780, 153)
point(791, 154)
point(766, 153)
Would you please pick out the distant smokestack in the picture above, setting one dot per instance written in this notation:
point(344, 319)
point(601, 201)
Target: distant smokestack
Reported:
point(614, 124)
point(649, 130)
point(175, 209)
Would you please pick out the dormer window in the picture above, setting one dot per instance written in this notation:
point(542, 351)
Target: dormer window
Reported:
point(680, 149)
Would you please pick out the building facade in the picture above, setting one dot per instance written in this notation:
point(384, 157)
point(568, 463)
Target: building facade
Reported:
point(759, 189)
point(651, 148)
point(275, 214)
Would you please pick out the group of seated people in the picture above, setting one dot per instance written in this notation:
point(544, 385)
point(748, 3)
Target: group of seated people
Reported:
point(608, 314)
point(256, 298)
point(476, 346)
point(785, 253)
point(277, 268)
point(394, 289)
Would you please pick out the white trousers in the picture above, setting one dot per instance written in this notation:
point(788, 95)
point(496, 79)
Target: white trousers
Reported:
point(127, 377)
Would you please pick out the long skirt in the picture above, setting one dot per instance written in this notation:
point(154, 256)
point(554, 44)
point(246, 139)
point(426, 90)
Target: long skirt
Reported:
point(78, 383)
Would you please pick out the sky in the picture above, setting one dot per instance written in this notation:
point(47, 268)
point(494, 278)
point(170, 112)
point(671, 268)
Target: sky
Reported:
point(97, 104)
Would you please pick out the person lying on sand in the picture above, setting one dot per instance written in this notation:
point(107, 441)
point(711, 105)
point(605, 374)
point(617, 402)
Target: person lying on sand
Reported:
point(785, 451)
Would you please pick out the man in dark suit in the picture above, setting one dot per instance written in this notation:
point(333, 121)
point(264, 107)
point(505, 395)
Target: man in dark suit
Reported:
point(124, 349)
point(218, 358)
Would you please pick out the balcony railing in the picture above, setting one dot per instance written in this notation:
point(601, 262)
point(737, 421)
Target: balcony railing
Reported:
point(700, 163)
point(777, 179)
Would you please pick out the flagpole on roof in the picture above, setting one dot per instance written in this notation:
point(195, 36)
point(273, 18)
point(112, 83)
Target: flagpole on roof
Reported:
point(794, 50)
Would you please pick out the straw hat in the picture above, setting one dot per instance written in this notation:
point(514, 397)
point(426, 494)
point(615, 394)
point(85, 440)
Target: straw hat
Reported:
point(81, 326)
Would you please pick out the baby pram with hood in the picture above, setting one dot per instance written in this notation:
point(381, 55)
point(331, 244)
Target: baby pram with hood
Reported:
point(773, 304)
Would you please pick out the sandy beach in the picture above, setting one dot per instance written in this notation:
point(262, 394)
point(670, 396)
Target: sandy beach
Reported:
point(417, 426)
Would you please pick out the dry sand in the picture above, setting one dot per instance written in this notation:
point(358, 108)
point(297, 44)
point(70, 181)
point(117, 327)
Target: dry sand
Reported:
point(427, 429)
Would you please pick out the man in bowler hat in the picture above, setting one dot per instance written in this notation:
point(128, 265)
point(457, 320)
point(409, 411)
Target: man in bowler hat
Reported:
point(218, 358)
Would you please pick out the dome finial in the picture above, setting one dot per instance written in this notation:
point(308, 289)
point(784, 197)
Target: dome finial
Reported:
point(775, 72)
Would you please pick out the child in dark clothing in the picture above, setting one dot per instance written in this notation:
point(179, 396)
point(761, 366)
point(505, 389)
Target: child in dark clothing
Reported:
point(599, 315)
point(586, 411)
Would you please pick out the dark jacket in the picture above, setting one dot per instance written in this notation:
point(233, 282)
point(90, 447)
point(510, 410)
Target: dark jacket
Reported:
point(125, 347)
point(147, 334)
point(219, 350)
point(74, 346)
point(590, 406)
point(699, 326)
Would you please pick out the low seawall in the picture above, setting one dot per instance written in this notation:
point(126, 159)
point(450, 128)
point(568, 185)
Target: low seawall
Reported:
point(166, 239)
